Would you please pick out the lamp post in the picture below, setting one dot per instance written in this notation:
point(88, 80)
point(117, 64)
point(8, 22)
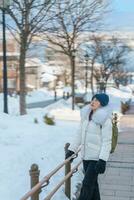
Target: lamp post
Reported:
point(86, 71)
point(3, 5)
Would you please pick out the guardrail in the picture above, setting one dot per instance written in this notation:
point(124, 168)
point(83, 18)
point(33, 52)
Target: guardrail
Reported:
point(37, 185)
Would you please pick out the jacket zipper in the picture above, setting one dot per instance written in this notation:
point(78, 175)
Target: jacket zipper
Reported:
point(85, 138)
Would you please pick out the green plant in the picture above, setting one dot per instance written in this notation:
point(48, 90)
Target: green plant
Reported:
point(49, 120)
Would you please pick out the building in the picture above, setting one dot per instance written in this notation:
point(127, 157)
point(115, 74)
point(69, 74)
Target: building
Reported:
point(32, 66)
point(12, 65)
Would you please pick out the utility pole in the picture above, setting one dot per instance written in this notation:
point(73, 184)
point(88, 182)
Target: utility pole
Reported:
point(5, 87)
point(3, 5)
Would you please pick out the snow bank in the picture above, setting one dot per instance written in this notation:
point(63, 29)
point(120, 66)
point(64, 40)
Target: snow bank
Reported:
point(23, 143)
point(39, 95)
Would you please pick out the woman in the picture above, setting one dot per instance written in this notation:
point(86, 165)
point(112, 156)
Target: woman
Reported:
point(95, 137)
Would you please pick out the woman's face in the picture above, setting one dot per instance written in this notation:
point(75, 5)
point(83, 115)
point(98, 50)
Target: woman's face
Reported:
point(95, 104)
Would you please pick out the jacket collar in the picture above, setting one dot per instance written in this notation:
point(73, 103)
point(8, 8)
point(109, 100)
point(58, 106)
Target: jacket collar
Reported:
point(99, 116)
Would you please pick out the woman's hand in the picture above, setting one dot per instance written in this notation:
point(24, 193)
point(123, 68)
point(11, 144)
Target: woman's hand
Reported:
point(100, 166)
point(68, 154)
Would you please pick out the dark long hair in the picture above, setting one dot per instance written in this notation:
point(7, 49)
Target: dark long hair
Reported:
point(90, 115)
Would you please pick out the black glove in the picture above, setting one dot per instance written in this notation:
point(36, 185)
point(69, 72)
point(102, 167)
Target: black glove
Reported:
point(68, 154)
point(100, 166)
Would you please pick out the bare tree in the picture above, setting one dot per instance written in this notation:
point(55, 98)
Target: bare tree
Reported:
point(89, 50)
point(111, 55)
point(121, 77)
point(29, 16)
point(74, 19)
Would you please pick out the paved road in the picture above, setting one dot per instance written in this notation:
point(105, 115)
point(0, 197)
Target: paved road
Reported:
point(42, 104)
point(118, 181)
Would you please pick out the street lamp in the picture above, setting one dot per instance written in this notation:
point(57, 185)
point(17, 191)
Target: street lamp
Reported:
point(86, 71)
point(3, 6)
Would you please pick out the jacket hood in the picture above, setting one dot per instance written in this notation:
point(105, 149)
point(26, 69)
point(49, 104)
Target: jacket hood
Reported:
point(99, 116)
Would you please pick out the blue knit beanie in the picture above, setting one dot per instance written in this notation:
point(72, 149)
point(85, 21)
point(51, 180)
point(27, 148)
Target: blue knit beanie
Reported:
point(102, 98)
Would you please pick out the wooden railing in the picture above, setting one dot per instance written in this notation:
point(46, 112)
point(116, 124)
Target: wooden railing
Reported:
point(37, 185)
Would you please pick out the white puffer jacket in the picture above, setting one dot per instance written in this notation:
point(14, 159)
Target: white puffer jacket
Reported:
point(94, 136)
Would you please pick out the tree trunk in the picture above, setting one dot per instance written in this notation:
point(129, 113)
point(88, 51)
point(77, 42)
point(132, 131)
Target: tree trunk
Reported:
point(22, 78)
point(117, 84)
point(72, 60)
point(92, 86)
point(105, 87)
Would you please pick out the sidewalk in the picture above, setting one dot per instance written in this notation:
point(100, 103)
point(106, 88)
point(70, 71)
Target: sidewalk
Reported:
point(118, 181)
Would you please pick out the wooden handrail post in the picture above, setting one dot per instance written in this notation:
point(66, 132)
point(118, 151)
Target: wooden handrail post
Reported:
point(34, 174)
point(67, 170)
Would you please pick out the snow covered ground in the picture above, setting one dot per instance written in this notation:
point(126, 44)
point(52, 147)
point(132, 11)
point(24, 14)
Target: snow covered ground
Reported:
point(23, 142)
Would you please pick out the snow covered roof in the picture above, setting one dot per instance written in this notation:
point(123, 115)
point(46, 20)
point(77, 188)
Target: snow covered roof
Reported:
point(44, 67)
point(55, 70)
point(47, 77)
point(33, 62)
